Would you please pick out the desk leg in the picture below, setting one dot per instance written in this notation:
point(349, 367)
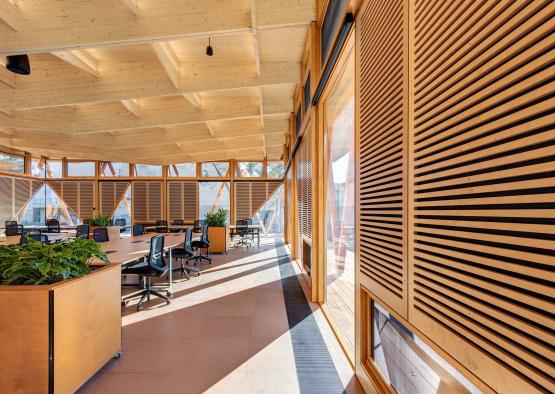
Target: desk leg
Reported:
point(170, 279)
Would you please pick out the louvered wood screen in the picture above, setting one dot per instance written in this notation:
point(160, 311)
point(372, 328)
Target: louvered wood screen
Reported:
point(304, 186)
point(78, 195)
point(147, 201)
point(111, 193)
point(15, 193)
point(250, 197)
point(382, 141)
point(484, 198)
point(462, 245)
point(183, 200)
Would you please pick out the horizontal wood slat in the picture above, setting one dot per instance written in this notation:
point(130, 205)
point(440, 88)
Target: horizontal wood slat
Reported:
point(251, 196)
point(482, 282)
point(147, 201)
point(182, 200)
point(382, 142)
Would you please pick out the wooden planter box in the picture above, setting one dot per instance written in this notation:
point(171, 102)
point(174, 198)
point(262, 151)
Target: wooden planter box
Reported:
point(219, 239)
point(53, 338)
point(113, 231)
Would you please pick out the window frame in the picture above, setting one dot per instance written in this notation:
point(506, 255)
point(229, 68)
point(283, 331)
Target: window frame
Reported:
point(215, 177)
point(239, 174)
point(22, 156)
point(69, 162)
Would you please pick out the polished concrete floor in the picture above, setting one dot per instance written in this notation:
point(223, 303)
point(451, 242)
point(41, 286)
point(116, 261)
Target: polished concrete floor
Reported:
point(242, 326)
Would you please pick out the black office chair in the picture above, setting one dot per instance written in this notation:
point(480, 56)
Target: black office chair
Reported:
point(197, 226)
point(242, 230)
point(204, 243)
point(34, 236)
point(83, 231)
point(14, 229)
point(153, 266)
point(186, 253)
point(8, 222)
point(100, 234)
point(177, 222)
point(52, 226)
point(161, 226)
point(138, 229)
point(122, 224)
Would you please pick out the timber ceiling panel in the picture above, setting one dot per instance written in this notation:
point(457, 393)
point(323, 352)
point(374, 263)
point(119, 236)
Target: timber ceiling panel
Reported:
point(116, 85)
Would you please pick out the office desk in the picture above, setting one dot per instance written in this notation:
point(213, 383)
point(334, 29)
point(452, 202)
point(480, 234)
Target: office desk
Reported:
point(14, 239)
point(128, 249)
point(255, 227)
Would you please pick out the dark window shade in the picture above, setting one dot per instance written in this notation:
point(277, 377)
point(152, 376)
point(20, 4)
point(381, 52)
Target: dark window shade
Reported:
point(298, 121)
point(307, 93)
point(334, 13)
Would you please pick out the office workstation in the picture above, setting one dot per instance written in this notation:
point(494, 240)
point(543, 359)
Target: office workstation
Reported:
point(277, 196)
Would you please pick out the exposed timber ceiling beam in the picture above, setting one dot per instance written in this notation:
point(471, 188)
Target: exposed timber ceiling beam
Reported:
point(81, 59)
point(9, 14)
point(65, 29)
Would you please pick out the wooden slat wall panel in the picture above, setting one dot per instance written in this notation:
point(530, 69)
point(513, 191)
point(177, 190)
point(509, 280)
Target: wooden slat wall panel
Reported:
point(86, 199)
point(190, 201)
point(139, 202)
point(259, 195)
point(307, 184)
point(111, 193)
point(56, 186)
point(383, 149)
point(22, 193)
point(154, 197)
point(242, 200)
point(182, 200)
point(70, 195)
point(482, 284)
point(5, 199)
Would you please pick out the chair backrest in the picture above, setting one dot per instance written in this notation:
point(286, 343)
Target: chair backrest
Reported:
point(83, 231)
point(100, 234)
point(178, 222)
point(120, 222)
point(14, 229)
point(242, 226)
point(8, 222)
point(138, 229)
point(161, 226)
point(188, 242)
point(204, 237)
point(53, 226)
point(35, 236)
point(156, 256)
point(197, 225)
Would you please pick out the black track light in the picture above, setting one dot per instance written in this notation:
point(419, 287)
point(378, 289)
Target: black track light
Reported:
point(18, 64)
point(209, 49)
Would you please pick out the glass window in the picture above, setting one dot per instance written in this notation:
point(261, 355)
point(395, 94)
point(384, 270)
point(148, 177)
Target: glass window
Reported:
point(215, 168)
point(54, 169)
point(307, 94)
point(407, 363)
point(275, 169)
point(298, 121)
point(339, 132)
point(113, 168)
point(270, 215)
point(213, 196)
point(81, 168)
point(38, 168)
point(12, 163)
point(147, 170)
point(46, 204)
point(123, 209)
point(331, 23)
point(183, 169)
point(251, 168)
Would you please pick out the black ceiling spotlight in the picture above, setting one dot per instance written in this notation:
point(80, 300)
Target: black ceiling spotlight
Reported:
point(209, 49)
point(18, 64)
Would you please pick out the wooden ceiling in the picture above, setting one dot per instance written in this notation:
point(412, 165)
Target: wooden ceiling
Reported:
point(129, 80)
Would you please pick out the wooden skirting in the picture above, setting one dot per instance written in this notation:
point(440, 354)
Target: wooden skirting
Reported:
point(55, 337)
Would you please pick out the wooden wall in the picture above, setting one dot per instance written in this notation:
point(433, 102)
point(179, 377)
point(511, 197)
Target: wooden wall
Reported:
point(251, 196)
point(456, 182)
point(14, 194)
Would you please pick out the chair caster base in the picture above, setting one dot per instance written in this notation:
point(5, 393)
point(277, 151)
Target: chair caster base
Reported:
point(117, 355)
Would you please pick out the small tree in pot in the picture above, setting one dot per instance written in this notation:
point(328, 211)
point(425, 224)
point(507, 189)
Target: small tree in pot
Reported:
point(218, 231)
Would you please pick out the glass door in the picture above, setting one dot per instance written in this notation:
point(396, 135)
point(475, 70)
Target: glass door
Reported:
point(339, 167)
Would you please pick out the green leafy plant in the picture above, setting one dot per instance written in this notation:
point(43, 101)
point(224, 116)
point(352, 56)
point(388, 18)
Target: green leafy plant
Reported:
point(36, 263)
point(216, 219)
point(100, 220)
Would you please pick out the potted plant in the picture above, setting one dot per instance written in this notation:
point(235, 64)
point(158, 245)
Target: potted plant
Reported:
point(218, 231)
point(62, 318)
point(101, 220)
